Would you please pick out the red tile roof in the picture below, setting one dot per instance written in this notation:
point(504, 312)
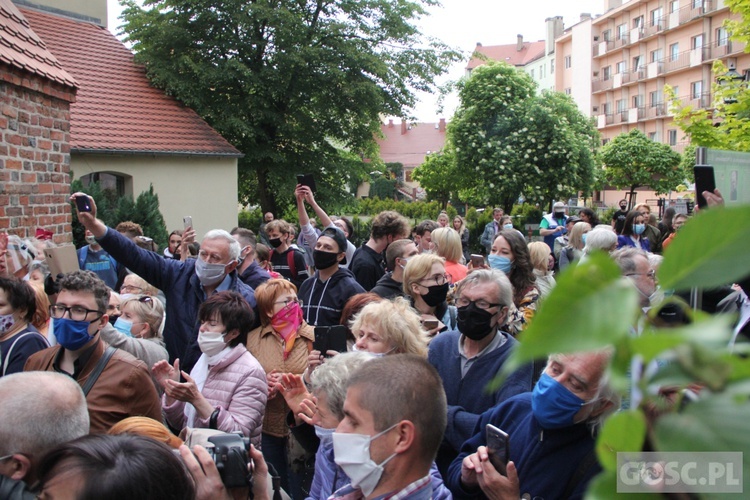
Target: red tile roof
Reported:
point(411, 147)
point(116, 109)
point(22, 48)
point(531, 51)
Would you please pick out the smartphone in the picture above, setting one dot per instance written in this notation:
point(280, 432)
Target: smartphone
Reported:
point(306, 180)
point(498, 448)
point(83, 204)
point(330, 338)
point(430, 324)
point(187, 221)
point(704, 181)
point(477, 261)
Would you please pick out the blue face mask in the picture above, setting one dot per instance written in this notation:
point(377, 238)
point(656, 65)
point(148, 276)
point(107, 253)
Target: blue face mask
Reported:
point(123, 326)
point(72, 335)
point(499, 262)
point(583, 237)
point(639, 228)
point(325, 435)
point(508, 226)
point(553, 405)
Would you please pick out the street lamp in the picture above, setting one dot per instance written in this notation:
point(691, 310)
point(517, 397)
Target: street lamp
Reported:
point(732, 76)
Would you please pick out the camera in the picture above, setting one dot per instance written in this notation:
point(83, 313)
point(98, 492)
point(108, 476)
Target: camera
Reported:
point(230, 456)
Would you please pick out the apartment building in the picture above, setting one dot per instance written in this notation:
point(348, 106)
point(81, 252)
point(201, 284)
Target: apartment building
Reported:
point(638, 48)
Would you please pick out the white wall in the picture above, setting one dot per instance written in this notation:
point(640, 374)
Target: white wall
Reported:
point(582, 57)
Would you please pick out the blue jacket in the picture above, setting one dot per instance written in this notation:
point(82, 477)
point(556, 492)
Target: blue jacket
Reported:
point(552, 223)
point(627, 241)
point(488, 236)
point(329, 477)
point(181, 287)
point(254, 275)
point(467, 398)
point(322, 303)
point(546, 459)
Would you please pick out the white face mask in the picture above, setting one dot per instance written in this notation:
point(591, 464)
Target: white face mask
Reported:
point(6, 322)
point(351, 452)
point(209, 274)
point(211, 343)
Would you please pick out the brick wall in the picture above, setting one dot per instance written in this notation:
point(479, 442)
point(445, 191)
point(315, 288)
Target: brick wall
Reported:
point(34, 155)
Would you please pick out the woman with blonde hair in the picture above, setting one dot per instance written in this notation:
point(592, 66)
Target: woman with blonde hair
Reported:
point(573, 251)
point(426, 283)
point(389, 327)
point(459, 224)
point(540, 259)
point(447, 244)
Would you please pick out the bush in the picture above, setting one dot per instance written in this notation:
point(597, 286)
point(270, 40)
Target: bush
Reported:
point(250, 219)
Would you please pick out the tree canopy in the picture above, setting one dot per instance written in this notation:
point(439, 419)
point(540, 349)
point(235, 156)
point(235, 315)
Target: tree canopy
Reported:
point(509, 141)
point(290, 84)
point(438, 176)
point(631, 160)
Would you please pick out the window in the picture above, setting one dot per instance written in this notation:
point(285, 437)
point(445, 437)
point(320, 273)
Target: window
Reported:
point(674, 51)
point(696, 89)
point(638, 22)
point(722, 37)
point(638, 101)
point(551, 66)
point(674, 6)
point(568, 62)
point(604, 141)
point(607, 73)
point(657, 55)
point(637, 63)
point(568, 91)
point(542, 73)
point(107, 181)
point(532, 73)
point(622, 31)
point(696, 42)
point(607, 108)
point(652, 136)
point(654, 98)
point(656, 16)
point(607, 35)
point(676, 89)
point(697, 4)
point(621, 67)
point(672, 137)
point(621, 105)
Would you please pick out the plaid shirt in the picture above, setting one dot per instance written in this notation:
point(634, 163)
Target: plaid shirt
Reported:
point(421, 489)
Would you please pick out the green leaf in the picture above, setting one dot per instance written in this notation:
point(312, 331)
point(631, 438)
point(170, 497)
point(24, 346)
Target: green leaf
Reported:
point(624, 431)
point(710, 250)
point(604, 487)
point(572, 317)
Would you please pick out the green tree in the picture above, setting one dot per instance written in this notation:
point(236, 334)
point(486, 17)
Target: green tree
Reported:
point(289, 83)
point(383, 188)
point(631, 160)
point(510, 142)
point(438, 176)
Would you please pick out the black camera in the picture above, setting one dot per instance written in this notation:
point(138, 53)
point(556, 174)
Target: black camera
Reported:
point(230, 456)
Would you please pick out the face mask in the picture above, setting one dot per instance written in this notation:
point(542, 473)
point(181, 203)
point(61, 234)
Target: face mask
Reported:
point(325, 435)
point(559, 215)
point(499, 262)
point(507, 226)
point(324, 260)
point(70, 334)
point(275, 242)
point(241, 259)
point(123, 326)
point(209, 274)
point(91, 240)
point(474, 323)
point(639, 228)
point(211, 343)
point(351, 452)
point(583, 237)
point(436, 295)
point(623, 207)
point(6, 322)
point(553, 405)
point(404, 261)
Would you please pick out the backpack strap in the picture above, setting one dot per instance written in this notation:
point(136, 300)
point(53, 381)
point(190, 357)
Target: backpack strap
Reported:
point(588, 461)
point(290, 262)
point(98, 369)
point(10, 351)
point(84, 252)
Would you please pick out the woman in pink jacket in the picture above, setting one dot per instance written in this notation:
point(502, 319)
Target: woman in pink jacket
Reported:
point(227, 388)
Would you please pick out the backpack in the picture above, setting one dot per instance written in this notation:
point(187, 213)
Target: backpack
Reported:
point(84, 252)
point(289, 262)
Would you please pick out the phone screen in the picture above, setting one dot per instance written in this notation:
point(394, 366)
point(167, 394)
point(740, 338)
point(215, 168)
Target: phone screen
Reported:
point(187, 221)
point(704, 181)
point(497, 448)
point(82, 202)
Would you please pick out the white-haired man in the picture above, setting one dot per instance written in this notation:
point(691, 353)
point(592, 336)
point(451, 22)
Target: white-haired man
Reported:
point(186, 285)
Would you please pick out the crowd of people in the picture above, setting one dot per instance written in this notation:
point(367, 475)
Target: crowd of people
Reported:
point(351, 372)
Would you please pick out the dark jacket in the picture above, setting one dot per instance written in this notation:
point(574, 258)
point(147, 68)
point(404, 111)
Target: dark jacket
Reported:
point(324, 301)
point(124, 389)
point(181, 287)
point(388, 288)
point(254, 275)
point(368, 267)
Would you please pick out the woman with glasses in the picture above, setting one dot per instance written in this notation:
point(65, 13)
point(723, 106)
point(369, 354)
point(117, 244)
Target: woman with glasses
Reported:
point(133, 284)
point(427, 284)
point(18, 337)
point(226, 389)
point(389, 327)
point(281, 344)
point(138, 330)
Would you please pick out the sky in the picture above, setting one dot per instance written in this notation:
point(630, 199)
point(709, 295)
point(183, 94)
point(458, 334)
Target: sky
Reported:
point(462, 23)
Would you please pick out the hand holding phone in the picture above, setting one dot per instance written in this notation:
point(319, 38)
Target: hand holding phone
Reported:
point(83, 203)
point(307, 180)
point(498, 448)
point(187, 221)
point(704, 181)
point(477, 261)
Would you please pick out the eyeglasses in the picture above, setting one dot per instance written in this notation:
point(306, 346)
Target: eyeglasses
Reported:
point(76, 313)
point(651, 274)
point(440, 279)
point(286, 302)
point(481, 303)
point(130, 288)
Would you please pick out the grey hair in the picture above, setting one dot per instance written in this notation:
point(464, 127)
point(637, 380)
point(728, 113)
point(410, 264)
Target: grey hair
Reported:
point(40, 411)
point(478, 277)
point(626, 258)
point(332, 378)
point(220, 234)
point(601, 237)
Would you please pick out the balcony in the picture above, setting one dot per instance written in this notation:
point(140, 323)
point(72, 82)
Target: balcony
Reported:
point(680, 62)
point(690, 12)
point(620, 117)
point(701, 101)
point(657, 110)
point(601, 48)
point(659, 25)
point(605, 120)
point(716, 51)
point(602, 84)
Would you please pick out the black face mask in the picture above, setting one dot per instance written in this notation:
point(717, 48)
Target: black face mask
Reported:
point(275, 242)
point(436, 295)
point(559, 215)
point(623, 207)
point(324, 260)
point(474, 323)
